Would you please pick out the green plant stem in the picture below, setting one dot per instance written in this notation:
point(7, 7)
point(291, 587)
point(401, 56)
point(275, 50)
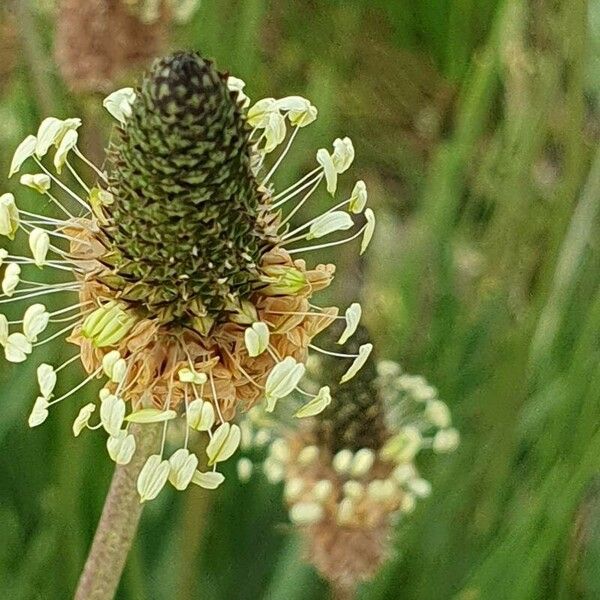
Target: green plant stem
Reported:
point(118, 523)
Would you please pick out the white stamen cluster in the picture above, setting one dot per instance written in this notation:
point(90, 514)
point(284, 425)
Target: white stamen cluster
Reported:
point(364, 487)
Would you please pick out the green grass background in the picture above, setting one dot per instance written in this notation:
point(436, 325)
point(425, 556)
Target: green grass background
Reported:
point(476, 128)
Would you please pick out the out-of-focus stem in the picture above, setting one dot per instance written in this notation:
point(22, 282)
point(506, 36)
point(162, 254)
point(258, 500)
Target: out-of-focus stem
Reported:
point(118, 523)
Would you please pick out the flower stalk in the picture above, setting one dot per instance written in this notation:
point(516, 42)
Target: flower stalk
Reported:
point(119, 521)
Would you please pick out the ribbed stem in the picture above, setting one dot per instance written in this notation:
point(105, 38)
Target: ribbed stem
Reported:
point(118, 523)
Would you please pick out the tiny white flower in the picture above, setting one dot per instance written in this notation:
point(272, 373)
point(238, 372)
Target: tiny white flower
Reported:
point(235, 84)
point(358, 198)
point(342, 461)
point(200, 415)
point(24, 151)
point(369, 230)
point(363, 354)
point(187, 375)
point(381, 489)
point(210, 480)
point(256, 338)
point(274, 131)
point(183, 9)
point(40, 182)
point(353, 489)
point(258, 114)
point(326, 161)
point(273, 470)
point(293, 488)
point(438, 414)
point(388, 368)
point(403, 473)
point(121, 447)
point(3, 255)
point(119, 103)
point(150, 415)
point(9, 216)
point(446, 440)
point(352, 316)
point(39, 412)
point(308, 455)
point(67, 144)
point(49, 130)
point(408, 503)
point(35, 321)
point(51, 133)
point(3, 329)
point(83, 418)
point(337, 220)
point(109, 360)
point(343, 154)
point(362, 462)
point(11, 279)
point(306, 513)
point(46, 376)
point(299, 110)
point(421, 488)
point(224, 443)
point(152, 478)
point(345, 512)
point(317, 405)
point(112, 414)
point(16, 348)
point(322, 490)
point(182, 466)
point(244, 469)
point(39, 243)
point(279, 450)
point(282, 380)
point(403, 446)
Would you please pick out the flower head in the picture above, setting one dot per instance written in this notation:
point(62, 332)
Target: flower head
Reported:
point(191, 299)
point(351, 472)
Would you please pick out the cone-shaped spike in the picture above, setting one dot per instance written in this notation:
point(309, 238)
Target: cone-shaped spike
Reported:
point(184, 224)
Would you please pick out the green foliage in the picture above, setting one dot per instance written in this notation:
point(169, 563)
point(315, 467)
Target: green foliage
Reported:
point(476, 130)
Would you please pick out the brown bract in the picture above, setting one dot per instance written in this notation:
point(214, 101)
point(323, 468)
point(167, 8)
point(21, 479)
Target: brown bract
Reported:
point(156, 352)
point(353, 552)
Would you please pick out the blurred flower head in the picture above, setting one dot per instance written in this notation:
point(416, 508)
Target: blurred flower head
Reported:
point(350, 473)
point(191, 300)
point(98, 42)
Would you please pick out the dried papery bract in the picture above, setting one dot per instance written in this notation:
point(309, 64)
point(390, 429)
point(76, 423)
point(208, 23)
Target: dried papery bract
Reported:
point(350, 472)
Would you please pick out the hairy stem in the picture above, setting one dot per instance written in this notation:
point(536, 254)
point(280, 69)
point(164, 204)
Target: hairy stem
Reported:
point(118, 523)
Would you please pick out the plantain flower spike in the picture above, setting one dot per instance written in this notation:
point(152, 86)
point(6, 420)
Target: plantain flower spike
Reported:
point(350, 472)
point(189, 295)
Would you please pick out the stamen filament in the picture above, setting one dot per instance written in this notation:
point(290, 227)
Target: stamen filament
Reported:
point(54, 336)
point(63, 186)
point(79, 180)
point(41, 293)
point(329, 244)
point(281, 156)
point(295, 185)
point(77, 387)
point(329, 353)
point(90, 164)
point(304, 199)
